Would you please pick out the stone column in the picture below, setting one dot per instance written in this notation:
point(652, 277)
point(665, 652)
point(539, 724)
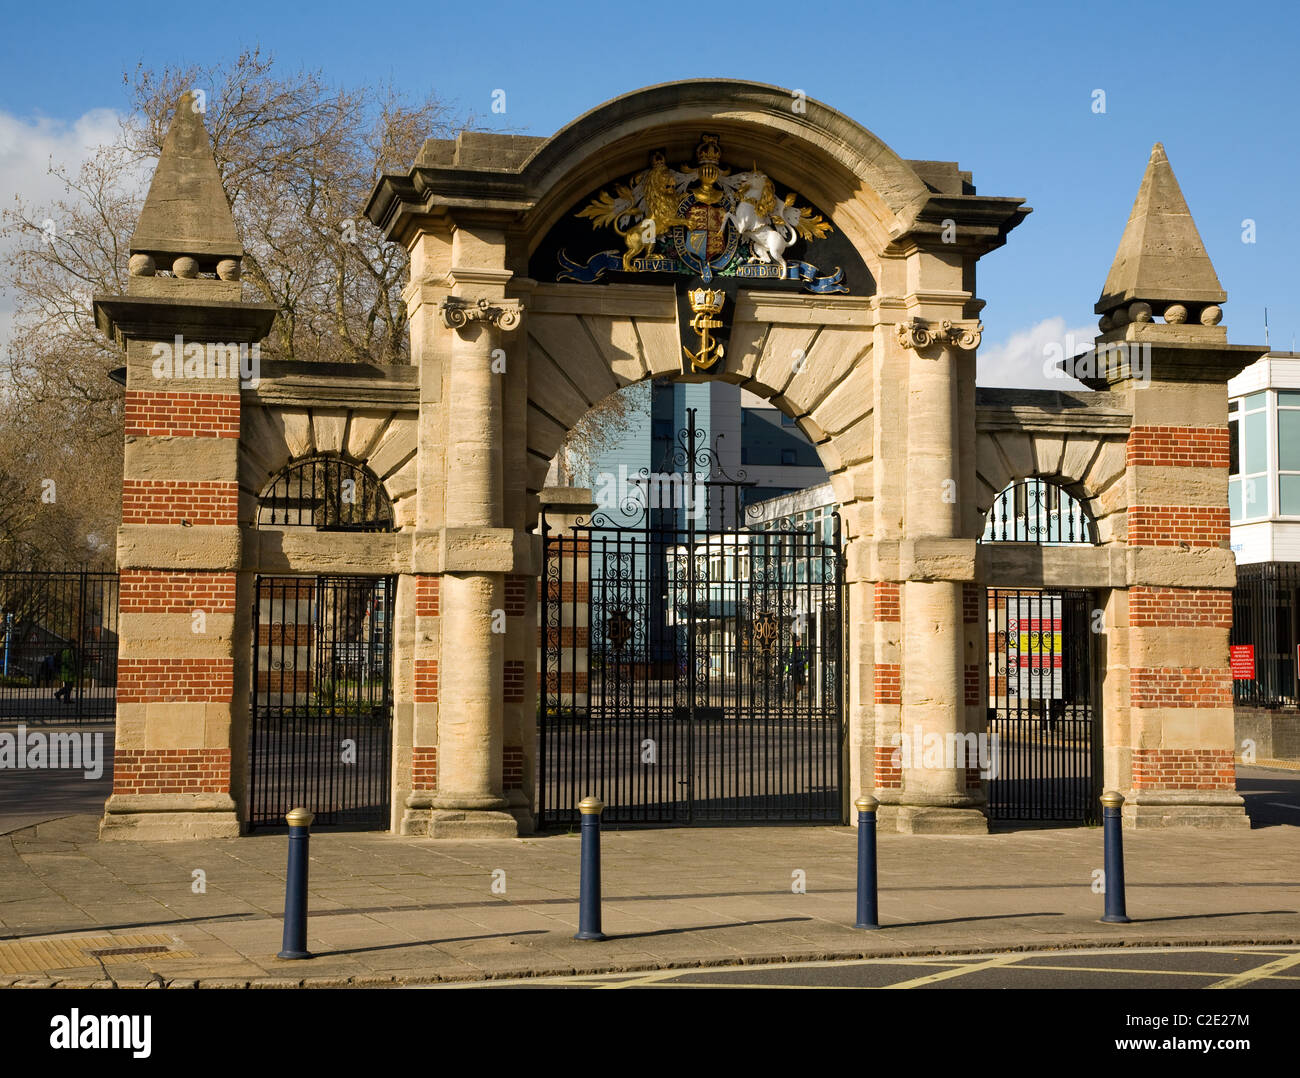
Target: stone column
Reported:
point(935, 562)
point(477, 549)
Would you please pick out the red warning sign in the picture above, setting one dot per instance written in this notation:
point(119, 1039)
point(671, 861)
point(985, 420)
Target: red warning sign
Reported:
point(1242, 658)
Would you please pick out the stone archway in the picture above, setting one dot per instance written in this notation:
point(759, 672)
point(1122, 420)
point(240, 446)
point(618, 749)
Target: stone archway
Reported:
point(880, 379)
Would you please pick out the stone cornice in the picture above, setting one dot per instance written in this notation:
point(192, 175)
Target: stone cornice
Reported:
point(129, 318)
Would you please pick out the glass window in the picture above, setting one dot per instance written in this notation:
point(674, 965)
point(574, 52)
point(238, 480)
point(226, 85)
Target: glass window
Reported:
point(1288, 439)
point(1288, 398)
point(1256, 400)
point(1234, 454)
point(787, 456)
point(1288, 491)
point(1256, 431)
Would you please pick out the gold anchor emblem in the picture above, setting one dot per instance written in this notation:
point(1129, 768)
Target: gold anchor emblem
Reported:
point(706, 303)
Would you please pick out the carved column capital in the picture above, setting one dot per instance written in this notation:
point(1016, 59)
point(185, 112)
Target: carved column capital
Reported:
point(919, 333)
point(458, 312)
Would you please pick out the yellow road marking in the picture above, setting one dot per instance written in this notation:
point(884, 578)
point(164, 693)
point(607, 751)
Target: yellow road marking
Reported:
point(960, 971)
point(1268, 969)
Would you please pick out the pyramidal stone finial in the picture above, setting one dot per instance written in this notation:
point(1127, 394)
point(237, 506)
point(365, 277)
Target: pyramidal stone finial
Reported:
point(1161, 265)
point(186, 225)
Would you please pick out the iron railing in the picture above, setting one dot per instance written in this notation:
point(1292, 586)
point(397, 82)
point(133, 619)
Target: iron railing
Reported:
point(321, 735)
point(1042, 707)
point(327, 492)
point(58, 647)
point(1264, 615)
point(1038, 511)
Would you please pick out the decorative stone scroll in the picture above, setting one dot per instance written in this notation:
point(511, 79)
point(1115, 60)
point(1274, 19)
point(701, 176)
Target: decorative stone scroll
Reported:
point(457, 313)
point(918, 334)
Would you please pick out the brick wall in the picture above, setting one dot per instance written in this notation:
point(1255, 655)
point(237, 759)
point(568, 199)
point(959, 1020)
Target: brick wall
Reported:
point(972, 686)
point(887, 601)
point(516, 595)
point(158, 501)
point(1184, 769)
point(513, 767)
point(175, 680)
point(426, 681)
point(1196, 686)
point(428, 596)
point(1178, 447)
point(424, 768)
point(1180, 606)
point(514, 681)
point(171, 771)
point(145, 591)
point(970, 604)
point(186, 415)
point(889, 767)
point(889, 683)
point(1174, 525)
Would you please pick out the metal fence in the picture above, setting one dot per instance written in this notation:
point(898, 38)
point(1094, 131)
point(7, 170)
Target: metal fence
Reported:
point(1264, 615)
point(58, 647)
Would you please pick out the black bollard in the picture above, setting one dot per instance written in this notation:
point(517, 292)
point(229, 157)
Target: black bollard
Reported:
point(589, 884)
point(868, 915)
point(294, 944)
point(1113, 837)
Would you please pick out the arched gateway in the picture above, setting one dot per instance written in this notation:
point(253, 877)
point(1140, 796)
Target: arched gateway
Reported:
point(698, 230)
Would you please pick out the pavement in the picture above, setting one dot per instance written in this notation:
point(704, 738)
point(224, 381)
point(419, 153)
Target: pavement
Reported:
point(387, 910)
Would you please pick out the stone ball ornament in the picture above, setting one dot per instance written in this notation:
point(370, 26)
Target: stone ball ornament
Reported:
point(1139, 312)
point(1104, 323)
point(1118, 317)
point(1175, 314)
point(186, 267)
point(1212, 315)
point(142, 266)
point(228, 269)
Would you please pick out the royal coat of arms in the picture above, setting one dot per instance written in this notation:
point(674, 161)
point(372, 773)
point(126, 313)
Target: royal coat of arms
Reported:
point(703, 220)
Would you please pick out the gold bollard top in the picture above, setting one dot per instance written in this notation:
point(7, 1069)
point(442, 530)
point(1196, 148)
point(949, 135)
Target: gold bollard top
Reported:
point(866, 803)
point(299, 817)
point(1112, 799)
point(591, 806)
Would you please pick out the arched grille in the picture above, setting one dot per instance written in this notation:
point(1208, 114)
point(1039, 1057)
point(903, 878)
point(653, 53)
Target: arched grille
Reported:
point(329, 493)
point(1038, 511)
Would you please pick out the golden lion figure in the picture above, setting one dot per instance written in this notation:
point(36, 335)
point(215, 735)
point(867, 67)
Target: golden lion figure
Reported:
point(661, 203)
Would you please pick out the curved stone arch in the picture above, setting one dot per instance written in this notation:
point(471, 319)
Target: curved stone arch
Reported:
point(836, 163)
point(1089, 466)
point(817, 372)
point(383, 440)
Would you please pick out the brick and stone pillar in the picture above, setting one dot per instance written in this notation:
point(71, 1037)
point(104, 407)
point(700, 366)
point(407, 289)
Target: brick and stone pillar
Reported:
point(1169, 744)
point(566, 580)
point(184, 648)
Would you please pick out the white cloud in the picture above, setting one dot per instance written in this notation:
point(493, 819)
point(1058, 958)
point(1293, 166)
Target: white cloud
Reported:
point(29, 146)
point(1026, 358)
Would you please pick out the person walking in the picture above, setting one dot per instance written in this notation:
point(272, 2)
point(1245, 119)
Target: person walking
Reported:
point(67, 673)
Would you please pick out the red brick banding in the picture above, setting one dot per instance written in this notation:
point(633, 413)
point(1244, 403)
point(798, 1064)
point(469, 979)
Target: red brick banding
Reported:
point(516, 595)
point(184, 415)
point(973, 778)
point(147, 591)
point(171, 771)
point(1191, 686)
point(428, 596)
point(147, 681)
point(1184, 769)
point(158, 501)
point(889, 767)
point(972, 686)
point(426, 681)
point(424, 768)
point(970, 604)
point(1175, 525)
point(568, 682)
point(889, 683)
point(568, 591)
point(888, 604)
point(513, 689)
point(1178, 447)
point(512, 767)
point(563, 636)
point(1168, 607)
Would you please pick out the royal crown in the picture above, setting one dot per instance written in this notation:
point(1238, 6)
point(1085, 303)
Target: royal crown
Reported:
point(707, 300)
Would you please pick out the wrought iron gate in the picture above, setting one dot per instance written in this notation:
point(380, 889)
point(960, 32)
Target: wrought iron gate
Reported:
point(1042, 706)
point(321, 734)
point(58, 647)
point(691, 659)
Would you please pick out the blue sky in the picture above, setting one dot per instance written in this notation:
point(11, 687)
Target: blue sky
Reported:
point(1004, 89)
